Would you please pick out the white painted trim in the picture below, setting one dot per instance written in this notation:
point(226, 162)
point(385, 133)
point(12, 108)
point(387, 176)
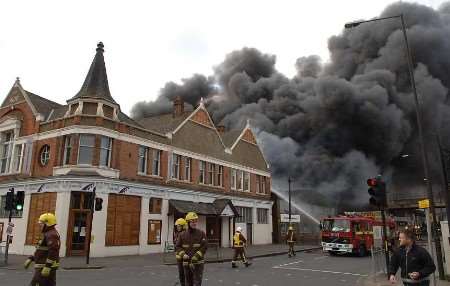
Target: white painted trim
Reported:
point(95, 130)
point(10, 123)
point(102, 171)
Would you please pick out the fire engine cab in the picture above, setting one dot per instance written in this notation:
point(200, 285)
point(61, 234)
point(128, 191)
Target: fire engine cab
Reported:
point(352, 233)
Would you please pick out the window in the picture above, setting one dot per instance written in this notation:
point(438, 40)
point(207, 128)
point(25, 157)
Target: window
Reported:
point(176, 160)
point(202, 172)
point(45, 155)
point(67, 149)
point(239, 179)
point(18, 158)
point(142, 161)
point(211, 168)
point(245, 215)
point(154, 206)
point(233, 179)
point(7, 140)
point(4, 213)
point(39, 203)
point(219, 176)
point(261, 185)
point(86, 151)
point(246, 181)
point(123, 220)
point(154, 232)
point(105, 151)
point(156, 166)
point(262, 216)
point(187, 169)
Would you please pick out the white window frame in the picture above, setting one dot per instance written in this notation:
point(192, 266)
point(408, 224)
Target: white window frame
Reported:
point(156, 159)
point(68, 145)
point(176, 162)
point(85, 146)
point(219, 176)
point(9, 153)
point(246, 178)
point(210, 173)
point(233, 179)
point(239, 180)
point(18, 158)
point(202, 173)
point(144, 158)
point(44, 155)
point(187, 169)
point(108, 150)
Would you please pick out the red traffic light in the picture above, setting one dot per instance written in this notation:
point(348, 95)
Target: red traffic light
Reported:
point(372, 182)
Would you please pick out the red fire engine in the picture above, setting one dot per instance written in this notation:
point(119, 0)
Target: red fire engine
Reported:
point(353, 232)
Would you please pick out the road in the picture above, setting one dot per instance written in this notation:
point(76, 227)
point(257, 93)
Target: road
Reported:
point(306, 269)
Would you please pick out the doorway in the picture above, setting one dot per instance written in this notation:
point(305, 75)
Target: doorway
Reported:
point(80, 222)
point(213, 230)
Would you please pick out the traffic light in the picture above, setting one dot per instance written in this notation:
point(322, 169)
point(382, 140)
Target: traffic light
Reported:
point(98, 204)
point(20, 198)
point(377, 192)
point(9, 205)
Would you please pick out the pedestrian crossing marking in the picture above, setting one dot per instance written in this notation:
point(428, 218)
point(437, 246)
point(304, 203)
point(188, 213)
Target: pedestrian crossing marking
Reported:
point(321, 271)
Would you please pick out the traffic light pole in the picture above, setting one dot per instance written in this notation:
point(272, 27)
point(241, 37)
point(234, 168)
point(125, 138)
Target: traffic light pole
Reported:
point(8, 238)
point(289, 181)
point(385, 241)
point(90, 227)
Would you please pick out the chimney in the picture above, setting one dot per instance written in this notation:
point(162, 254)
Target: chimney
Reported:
point(178, 107)
point(221, 129)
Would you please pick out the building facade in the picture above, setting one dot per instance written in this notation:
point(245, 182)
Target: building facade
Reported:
point(148, 172)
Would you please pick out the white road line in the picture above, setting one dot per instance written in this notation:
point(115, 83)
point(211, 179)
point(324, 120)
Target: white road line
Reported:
point(321, 271)
point(299, 261)
point(321, 257)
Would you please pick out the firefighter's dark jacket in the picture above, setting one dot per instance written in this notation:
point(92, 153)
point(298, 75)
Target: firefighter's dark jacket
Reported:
point(193, 243)
point(47, 250)
point(416, 260)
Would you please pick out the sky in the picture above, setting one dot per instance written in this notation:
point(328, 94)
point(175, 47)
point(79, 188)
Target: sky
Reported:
point(50, 44)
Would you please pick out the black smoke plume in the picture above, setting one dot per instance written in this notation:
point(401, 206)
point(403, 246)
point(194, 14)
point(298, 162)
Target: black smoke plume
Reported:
point(336, 124)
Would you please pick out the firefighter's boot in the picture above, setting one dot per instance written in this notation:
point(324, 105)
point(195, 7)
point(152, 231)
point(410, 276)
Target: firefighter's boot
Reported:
point(233, 264)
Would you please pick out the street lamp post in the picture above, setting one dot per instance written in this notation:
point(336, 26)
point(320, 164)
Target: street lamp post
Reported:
point(420, 129)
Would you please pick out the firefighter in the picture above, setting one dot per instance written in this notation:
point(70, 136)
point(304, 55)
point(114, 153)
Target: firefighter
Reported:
point(180, 226)
point(191, 247)
point(239, 242)
point(291, 239)
point(46, 256)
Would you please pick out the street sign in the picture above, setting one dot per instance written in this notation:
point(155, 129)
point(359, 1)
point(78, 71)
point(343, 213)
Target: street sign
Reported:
point(424, 204)
point(285, 218)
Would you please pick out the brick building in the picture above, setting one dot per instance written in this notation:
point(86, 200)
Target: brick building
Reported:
point(148, 172)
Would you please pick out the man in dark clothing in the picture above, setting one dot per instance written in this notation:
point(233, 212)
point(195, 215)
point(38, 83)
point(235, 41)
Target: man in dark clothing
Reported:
point(46, 256)
point(291, 239)
point(415, 262)
point(191, 246)
point(180, 226)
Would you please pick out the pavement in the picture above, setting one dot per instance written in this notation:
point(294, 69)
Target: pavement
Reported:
point(381, 280)
point(307, 268)
point(15, 262)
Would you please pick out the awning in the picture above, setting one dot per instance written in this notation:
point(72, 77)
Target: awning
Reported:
point(219, 207)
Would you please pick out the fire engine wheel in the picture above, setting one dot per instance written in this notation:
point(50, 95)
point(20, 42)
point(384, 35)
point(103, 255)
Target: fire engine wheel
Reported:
point(362, 252)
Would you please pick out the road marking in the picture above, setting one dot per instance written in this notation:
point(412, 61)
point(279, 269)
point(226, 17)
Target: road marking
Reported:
point(320, 257)
point(321, 271)
point(282, 265)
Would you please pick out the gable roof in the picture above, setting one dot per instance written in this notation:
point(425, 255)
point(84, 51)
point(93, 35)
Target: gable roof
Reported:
point(230, 137)
point(42, 105)
point(96, 83)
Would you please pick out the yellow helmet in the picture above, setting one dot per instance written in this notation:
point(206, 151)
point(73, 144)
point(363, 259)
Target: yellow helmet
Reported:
point(48, 219)
point(191, 216)
point(291, 228)
point(180, 222)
